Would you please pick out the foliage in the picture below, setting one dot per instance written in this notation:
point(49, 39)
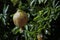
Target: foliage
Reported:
point(40, 14)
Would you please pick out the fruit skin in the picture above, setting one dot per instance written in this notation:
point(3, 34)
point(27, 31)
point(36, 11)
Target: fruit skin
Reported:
point(39, 37)
point(20, 18)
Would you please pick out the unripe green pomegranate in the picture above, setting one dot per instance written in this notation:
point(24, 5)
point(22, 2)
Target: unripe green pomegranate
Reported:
point(20, 18)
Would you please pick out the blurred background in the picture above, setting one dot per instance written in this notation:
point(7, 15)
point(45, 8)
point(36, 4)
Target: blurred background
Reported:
point(43, 19)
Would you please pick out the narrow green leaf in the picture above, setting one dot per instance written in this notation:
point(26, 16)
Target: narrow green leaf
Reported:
point(42, 1)
point(45, 1)
point(39, 1)
point(14, 2)
point(32, 2)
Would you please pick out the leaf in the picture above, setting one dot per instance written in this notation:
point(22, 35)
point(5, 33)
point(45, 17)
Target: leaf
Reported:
point(58, 6)
point(15, 30)
point(1, 16)
point(40, 12)
point(53, 3)
point(14, 2)
point(46, 18)
point(45, 1)
point(56, 3)
point(39, 1)
point(26, 27)
point(36, 18)
point(5, 9)
point(32, 2)
point(42, 1)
